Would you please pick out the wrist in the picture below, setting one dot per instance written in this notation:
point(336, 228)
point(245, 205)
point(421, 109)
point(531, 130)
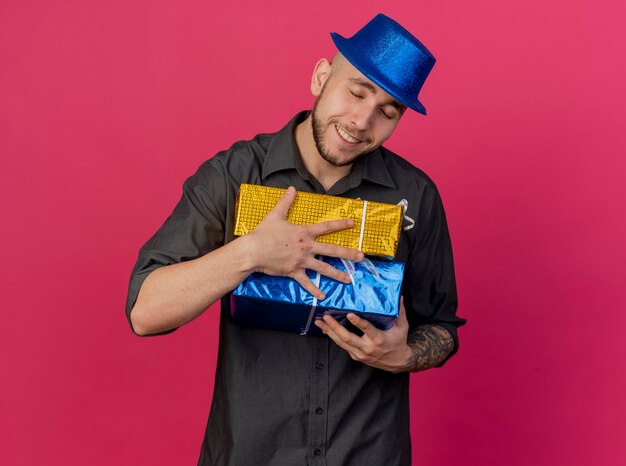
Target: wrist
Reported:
point(247, 252)
point(405, 360)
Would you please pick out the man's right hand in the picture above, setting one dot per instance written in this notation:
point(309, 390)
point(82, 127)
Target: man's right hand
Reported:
point(175, 294)
point(278, 247)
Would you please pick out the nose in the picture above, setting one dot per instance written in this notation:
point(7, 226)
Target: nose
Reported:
point(360, 118)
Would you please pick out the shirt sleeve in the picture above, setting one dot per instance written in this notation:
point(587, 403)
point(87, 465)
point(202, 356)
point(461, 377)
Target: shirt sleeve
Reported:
point(429, 286)
point(195, 227)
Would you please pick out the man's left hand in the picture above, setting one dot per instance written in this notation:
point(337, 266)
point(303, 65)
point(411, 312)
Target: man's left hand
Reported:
point(383, 349)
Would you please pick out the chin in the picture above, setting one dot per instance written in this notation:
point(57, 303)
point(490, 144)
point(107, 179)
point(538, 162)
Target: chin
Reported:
point(341, 161)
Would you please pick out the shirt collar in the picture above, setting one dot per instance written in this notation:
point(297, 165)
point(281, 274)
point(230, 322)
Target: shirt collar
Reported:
point(283, 152)
point(376, 170)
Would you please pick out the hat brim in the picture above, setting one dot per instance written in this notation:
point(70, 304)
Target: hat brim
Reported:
point(374, 75)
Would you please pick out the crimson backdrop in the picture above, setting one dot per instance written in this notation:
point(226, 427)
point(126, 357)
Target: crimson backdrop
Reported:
point(106, 107)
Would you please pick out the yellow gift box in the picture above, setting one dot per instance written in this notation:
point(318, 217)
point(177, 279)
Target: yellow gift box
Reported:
point(376, 229)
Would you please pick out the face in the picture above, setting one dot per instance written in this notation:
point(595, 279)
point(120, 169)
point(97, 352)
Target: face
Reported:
point(352, 116)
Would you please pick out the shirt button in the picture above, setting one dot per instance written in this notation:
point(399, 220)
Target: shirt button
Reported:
point(319, 366)
point(317, 452)
point(319, 410)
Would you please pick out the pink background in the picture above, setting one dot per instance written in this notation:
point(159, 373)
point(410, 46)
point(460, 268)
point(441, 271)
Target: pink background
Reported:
point(106, 107)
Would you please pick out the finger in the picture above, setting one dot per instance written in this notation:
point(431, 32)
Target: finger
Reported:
point(364, 325)
point(345, 335)
point(282, 206)
point(339, 341)
point(402, 320)
point(327, 270)
point(321, 228)
point(334, 250)
point(306, 283)
point(321, 324)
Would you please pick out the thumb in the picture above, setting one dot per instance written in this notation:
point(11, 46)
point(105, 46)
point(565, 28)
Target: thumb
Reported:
point(283, 205)
point(402, 320)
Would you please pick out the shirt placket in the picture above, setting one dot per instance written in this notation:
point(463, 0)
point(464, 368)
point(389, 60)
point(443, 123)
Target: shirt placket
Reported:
point(318, 402)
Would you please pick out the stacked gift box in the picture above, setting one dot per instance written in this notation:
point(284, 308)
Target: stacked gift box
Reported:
point(280, 303)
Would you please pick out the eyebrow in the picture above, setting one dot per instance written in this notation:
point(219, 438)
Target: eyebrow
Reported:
point(374, 90)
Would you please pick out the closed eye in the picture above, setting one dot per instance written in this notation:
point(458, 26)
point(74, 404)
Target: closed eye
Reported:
point(389, 116)
point(358, 96)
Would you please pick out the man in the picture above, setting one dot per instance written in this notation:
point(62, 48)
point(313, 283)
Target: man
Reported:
point(287, 399)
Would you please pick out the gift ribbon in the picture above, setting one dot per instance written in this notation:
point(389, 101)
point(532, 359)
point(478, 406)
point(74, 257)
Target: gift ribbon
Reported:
point(362, 225)
point(313, 307)
point(405, 206)
point(350, 269)
point(349, 266)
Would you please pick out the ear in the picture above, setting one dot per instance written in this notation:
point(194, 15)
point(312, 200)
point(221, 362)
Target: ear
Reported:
point(321, 73)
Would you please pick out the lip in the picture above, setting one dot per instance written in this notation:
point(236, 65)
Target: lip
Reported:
point(347, 143)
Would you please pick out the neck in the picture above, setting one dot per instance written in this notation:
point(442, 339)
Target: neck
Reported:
point(326, 173)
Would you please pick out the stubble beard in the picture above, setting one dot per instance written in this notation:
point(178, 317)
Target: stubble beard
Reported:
point(319, 137)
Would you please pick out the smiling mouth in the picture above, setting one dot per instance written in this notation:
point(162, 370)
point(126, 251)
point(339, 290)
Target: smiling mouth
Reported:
point(346, 137)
